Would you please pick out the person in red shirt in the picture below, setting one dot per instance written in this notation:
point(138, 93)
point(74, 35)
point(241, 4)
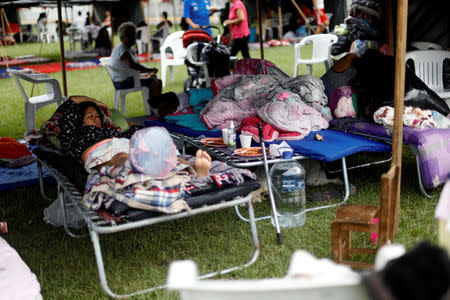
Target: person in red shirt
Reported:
point(238, 23)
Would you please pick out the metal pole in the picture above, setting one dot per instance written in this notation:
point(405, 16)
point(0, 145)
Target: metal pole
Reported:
point(269, 185)
point(280, 20)
point(399, 92)
point(303, 16)
point(61, 48)
point(258, 16)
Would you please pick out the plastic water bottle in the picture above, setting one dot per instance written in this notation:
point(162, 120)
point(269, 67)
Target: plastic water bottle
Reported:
point(232, 137)
point(288, 187)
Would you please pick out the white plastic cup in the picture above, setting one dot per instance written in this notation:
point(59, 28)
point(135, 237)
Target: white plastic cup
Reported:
point(225, 133)
point(246, 140)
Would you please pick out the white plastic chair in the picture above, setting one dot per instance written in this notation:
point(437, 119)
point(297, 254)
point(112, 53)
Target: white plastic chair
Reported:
point(192, 57)
point(428, 66)
point(75, 36)
point(175, 43)
point(426, 46)
point(32, 104)
point(307, 278)
point(120, 94)
point(141, 42)
point(161, 35)
point(321, 46)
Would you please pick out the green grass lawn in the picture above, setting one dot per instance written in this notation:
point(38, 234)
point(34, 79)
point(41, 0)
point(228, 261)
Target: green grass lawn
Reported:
point(66, 268)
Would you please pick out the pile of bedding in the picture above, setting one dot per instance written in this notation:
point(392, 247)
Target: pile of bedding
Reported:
point(288, 108)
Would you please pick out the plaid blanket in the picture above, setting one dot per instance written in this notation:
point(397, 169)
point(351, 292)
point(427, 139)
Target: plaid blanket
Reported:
point(137, 190)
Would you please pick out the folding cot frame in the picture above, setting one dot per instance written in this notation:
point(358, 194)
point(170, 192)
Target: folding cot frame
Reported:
point(413, 148)
point(252, 162)
point(68, 195)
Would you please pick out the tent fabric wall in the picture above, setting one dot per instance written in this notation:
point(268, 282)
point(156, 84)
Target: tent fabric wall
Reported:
point(337, 8)
point(428, 21)
point(122, 11)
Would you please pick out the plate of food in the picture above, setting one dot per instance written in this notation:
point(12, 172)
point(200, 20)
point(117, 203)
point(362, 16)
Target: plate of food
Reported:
point(213, 142)
point(250, 151)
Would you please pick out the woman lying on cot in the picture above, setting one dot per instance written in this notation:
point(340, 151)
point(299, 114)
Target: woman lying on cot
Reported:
point(125, 64)
point(84, 127)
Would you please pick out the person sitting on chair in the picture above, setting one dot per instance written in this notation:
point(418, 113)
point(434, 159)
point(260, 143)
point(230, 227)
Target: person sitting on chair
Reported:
point(164, 22)
point(126, 66)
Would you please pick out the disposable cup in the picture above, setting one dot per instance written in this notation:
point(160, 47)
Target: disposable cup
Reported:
point(246, 140)
point(225, 133)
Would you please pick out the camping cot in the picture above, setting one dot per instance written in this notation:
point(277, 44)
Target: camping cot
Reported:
point(124, 218)
point(430, 146)
point(335, 146)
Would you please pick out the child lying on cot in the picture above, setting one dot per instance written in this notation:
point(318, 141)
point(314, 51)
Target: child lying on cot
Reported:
point(84, 130)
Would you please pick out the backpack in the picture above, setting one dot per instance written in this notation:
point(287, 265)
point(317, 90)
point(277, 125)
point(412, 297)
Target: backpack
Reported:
point(217, 56)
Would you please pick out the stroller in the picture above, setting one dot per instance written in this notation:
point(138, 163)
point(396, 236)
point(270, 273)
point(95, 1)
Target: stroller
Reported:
point(205, 58)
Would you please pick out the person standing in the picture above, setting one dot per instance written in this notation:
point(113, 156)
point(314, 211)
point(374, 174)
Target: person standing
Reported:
point(41, 25)
point(197, 12)
point(238, 23)
point(320, 16)
point(108, 19)
point(78, 21)
point(164, 22)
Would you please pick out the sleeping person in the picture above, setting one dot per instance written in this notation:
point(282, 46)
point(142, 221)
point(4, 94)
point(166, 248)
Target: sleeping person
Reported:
point(151, 176)
point(85, 128)
point(85, 123)
point(138, 168)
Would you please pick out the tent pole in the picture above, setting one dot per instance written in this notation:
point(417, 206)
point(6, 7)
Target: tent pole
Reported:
point(280, 21)
point(399, 85)
point(61, 47)
point(399, 92)
point(303, 16)
point(3, 22)
point(67, 15)
point(258, 15)
point(174, 11)
point(149, 32)
point(112, 26)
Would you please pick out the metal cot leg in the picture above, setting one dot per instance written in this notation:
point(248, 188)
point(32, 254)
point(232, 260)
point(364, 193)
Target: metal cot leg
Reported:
point(345, 198)
point(419, 175)
point(101, 268)
point(41, 182)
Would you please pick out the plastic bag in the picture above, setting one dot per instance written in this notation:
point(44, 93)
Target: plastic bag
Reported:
point(53, 215)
